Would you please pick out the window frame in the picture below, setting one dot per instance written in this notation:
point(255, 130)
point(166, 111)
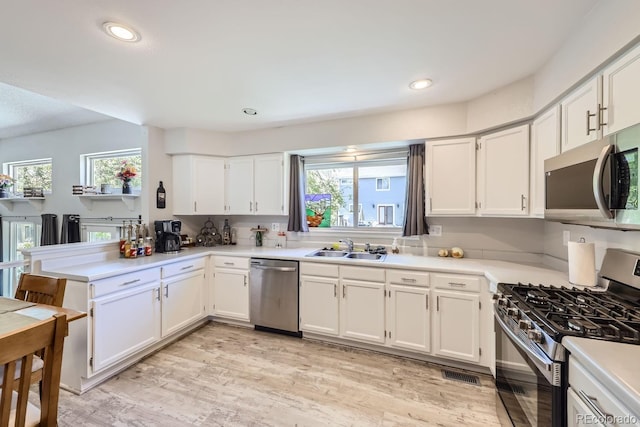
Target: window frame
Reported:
point(362, 160)
point(88, 167)
point(9, 169)
point(383, 179)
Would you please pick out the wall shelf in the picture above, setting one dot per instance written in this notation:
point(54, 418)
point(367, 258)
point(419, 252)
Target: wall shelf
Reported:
point(128, 199)
point(36, 202)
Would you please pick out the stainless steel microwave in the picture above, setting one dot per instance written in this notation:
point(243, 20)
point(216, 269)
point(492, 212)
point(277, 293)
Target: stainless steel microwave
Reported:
point(596, 184)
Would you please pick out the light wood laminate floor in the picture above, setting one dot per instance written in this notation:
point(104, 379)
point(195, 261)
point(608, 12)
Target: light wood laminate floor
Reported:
point(229, 376)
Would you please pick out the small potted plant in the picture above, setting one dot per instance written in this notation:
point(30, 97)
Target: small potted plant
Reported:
point(5, 182)
point(126, 174)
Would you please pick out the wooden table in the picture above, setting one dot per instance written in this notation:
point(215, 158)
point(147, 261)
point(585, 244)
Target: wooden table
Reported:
point(16, 314)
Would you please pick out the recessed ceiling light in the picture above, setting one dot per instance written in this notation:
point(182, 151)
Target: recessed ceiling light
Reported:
point(249, 111)
point(420, 84)
point(121, 32)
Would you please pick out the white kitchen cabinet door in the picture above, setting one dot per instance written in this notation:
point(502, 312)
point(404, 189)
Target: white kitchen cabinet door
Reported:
point(319, 305)
point(183, 301)
point(124, 323)
point(269, 184)
point(621, 92)
point(198, 185)
point(239, 191)
point(545, 143)
point(580, 115)
point(503, 172)
point(451, 177)
point(408, 317)
point(231, 294)
point(456, 325)
point(362, 311)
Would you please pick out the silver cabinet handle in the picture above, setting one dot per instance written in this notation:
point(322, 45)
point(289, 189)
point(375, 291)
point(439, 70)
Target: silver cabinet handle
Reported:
point(601, 111)
point(522, 199)
point(589, 128)
point(187, 267)
point(426, 301)
point(593, 403)
point(130, 282)
point(344, 291)
point(335, 290)
point(245, 280)
point(158, 298)
point(195, 206)
point(229, 263)
point(250, 206)
point(408, 280)
point(256, 206)
point(438, 303)
point(166, 291)
point(460, 285)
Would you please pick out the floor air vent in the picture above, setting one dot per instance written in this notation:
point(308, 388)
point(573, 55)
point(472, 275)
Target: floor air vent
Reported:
point(511, 388)
point(458, 376)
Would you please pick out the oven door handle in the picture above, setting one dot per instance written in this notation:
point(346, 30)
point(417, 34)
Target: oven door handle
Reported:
point(549, 369)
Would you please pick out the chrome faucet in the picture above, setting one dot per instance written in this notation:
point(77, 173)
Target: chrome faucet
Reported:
point(349, 243)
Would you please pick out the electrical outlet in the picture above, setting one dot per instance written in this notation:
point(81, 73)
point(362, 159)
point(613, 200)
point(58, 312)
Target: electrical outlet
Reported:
point(566, 236)
point(435, 230)
point(275, 226)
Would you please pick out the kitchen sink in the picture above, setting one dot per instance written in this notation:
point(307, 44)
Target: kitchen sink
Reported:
point(328, 253)
point(364, 255)
point(349, 255)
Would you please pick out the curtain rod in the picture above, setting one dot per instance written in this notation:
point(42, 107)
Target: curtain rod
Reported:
point(18, 216)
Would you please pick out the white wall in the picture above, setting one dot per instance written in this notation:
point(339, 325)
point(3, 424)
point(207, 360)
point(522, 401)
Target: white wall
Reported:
point(65, 146)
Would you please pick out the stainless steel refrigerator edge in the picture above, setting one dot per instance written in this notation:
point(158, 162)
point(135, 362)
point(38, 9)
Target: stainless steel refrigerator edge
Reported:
point(273, 295)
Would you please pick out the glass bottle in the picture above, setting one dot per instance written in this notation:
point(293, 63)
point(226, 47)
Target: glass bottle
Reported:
point(258, 237)
point(161, 197)
point(226, 233)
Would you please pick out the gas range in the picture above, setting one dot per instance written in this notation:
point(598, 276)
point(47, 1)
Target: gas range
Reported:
point(531, 321)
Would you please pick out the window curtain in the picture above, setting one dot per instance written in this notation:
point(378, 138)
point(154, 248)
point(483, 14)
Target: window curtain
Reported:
point(415, 221)
point(297, 210)
point(70, 228)
point(49, 230)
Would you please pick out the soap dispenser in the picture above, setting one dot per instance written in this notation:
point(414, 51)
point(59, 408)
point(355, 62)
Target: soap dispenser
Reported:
point(394, 246)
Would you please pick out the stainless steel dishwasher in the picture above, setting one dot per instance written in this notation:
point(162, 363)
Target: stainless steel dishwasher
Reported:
point(274, 295)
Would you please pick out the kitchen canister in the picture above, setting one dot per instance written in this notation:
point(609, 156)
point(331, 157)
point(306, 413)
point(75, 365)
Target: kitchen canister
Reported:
point(582, 263)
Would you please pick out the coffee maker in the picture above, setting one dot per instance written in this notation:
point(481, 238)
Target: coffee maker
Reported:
point(167, 236)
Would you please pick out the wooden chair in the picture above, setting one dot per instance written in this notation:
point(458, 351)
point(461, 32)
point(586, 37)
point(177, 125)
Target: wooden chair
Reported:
point(41, 289)
point(18, 348)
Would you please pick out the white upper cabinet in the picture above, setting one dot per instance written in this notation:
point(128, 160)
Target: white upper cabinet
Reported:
point(545, 143)
point(256, 185)
point(198, 185)
point(503, 172)
point(240, 186)
point(451, 177)
point(621, 92)
point(581, 115)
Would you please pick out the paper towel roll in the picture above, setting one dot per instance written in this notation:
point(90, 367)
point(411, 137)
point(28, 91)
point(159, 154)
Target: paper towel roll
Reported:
point(582, 263)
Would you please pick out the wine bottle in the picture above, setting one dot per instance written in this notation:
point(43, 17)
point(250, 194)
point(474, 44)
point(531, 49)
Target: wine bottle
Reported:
point(161, 197)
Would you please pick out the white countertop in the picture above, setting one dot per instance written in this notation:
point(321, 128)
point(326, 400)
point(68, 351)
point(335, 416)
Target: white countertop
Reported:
point(613, 364)
point(495, 271)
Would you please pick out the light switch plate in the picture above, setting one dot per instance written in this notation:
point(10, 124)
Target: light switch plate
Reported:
point(275, 226)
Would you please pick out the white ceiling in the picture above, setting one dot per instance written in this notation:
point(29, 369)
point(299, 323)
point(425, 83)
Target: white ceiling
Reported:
point(200, 62)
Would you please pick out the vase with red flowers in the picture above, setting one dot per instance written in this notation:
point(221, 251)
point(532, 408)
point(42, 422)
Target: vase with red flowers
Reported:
point(126, 174)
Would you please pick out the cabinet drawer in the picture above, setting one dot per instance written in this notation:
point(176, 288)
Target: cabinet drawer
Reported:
point(589, 388)
point(405, 277)
point(362, 273)
point(317, 269)
point(123, 282)
point(231, 262)
point(183, 267)
point(456, 282)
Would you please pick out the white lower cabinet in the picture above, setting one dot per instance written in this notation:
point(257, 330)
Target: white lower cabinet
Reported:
point(362, 311)
point(456, 326)
point(319, 308)
point(578, 413)
point(231, 288)
point(183, 301)
point(408, 310)
point(124, 323)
